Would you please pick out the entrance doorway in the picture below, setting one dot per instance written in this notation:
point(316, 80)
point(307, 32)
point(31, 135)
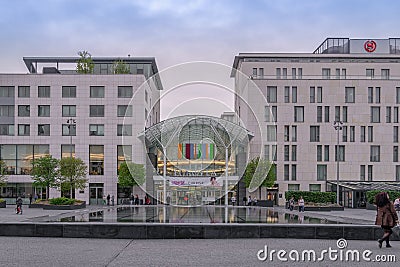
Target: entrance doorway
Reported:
point(96, 194)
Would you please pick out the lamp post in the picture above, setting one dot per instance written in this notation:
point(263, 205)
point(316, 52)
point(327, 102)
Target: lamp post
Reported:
point(338, 125)
point(71, 125)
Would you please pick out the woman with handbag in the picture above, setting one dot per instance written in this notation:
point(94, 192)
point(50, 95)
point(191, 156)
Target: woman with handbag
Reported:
point(386, 217)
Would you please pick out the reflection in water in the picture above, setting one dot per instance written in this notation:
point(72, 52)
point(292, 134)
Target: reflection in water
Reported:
point(208, 214)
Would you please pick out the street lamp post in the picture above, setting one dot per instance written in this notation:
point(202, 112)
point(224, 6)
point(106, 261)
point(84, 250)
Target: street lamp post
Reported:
point(71, 124)
point(338, 125)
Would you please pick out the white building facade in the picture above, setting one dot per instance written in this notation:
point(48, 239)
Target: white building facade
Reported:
point(354, 82)
point(54, 110)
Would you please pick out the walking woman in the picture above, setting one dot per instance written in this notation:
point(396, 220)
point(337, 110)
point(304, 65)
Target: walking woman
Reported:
point(386, 217)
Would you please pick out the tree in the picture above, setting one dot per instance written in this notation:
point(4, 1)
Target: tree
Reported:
point(131, 174)
point(259, 173)
point(45, 172)
point(72, 174)
point(85, 63)
point(3, 173)
point(120, 67)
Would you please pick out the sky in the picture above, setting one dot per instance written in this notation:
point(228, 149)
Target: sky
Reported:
point(179, 31)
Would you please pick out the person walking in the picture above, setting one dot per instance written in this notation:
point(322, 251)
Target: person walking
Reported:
point(108, 200)
point(386, 217)
point(301, 204)
point(19, 205)
point(291, 203)
point(249, 201)
point(255, 201)
point(112, 200)
point(233, 200)
point(30, 199)
point(244, 201)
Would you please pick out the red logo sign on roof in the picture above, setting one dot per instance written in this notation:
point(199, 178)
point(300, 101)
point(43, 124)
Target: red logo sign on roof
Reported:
point(370, 46)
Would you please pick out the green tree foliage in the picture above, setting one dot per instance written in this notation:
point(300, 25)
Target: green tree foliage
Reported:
point(131, 174)
point(72, 174)
point(371, 195)
point(259, 173)
point(45, 172)
point(314, 197)
point(85, 63)
point(3, 173)
point(120, 67)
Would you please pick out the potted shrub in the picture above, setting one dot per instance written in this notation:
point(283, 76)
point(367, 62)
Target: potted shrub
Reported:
point(2, 203)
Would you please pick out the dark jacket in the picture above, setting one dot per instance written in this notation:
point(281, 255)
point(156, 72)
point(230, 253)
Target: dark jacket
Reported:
point(386, 216)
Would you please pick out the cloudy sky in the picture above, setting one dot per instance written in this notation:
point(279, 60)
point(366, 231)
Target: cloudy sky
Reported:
point(178, 31)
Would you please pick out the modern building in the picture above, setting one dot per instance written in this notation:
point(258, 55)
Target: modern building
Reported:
point(55, 110)
point(353, 84)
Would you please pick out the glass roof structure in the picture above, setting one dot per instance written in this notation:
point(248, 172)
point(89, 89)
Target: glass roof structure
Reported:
point(368, 185)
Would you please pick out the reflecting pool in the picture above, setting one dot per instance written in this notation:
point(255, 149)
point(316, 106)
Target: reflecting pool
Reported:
point(205, 214)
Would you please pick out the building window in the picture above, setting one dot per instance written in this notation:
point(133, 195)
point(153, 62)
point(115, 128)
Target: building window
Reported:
point(385, 74)
point(322, 172)
point(44, 111)
point(397, 173)
point(24, 129)
point(286, 133)
point(274, 113)
point(352, 133)
point(67, 151)
point(326, 73)
point(294, 172)
point(397, 95)
point(24, 91)
point(286, 153)
point(286, 172)
point(312, 94)
point(375, 114)
point(294, 94)
point(326, 153)
point(294, 133)
point(278, 73)
point(300, 73)
point(370, 73)
point(319, 114)
point(362, 134)
point(396, 114)
point(124, 111)
point(349, 94)
point(337, 72)
point(284, 73)
point(96, 129)
point(319, 153)
point(96, 111)
point(124, 130)
point(395, 154)
point(337, 113)
point(69, 91)
point(340, 155)
point(7, 111)
point(69, 130)
point(294, 153)
point(377, 95)
point(344, 134)
point(124, 154)
point(388, 114)
point(266, 152)
point(69, 111)
point(96, 160)
point(362, 172)
point(327, 114)
point(97, 91)
point(7, 129)
point(319, 94)
point(7, 91)
point(294, 73)
point(125, 91)
point(370, 134)
point(274, 153)
point(44, 130)
point(370, 173)
point(293, 187)
point(24, 111)
point(298, 114)
point(370, 94)
point(271, 133)
point(395, 134)
point(44, 91)
point(271, 94)
point(344, 119)
point(315, 188)
point(375, 154)
point(314, 133)
point(287, 94)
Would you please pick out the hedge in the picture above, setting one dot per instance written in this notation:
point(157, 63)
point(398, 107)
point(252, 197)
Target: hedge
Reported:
point(2, 200)
point(315, 197)
point(371, 195)
point(62, 201)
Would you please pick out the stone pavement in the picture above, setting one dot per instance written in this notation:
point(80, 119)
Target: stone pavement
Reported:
point(31, 251)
